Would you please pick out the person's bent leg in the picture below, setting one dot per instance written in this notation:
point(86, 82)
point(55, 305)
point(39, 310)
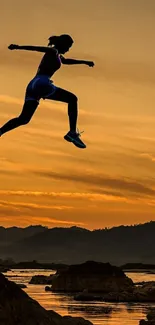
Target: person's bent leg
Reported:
point(24, 118)
point(65, 96)
point(62, 95)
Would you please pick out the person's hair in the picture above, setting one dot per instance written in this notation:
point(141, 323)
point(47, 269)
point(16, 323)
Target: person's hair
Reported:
point(65, 38)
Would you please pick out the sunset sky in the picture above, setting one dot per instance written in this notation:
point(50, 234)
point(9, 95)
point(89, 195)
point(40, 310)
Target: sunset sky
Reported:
point(46, 180)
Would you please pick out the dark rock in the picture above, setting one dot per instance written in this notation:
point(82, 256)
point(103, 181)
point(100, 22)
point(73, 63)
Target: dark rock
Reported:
point(150, 318)
point(141, 293)
point(144, 322)
point(67, 320)
point(145, 293)
point(151, 314)
point(118, 297)
point(93, 276)
point(47, 288)
point(41, 279)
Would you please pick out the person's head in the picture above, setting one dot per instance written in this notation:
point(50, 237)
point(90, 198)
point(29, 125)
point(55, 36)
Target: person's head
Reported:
point(62, 42)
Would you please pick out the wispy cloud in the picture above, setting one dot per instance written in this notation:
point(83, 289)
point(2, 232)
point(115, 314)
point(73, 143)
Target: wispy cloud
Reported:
point(123, 184)
point(96, 194)
point(6, 217)
point(66, 195)
point(26, 213)
point(30, 206)
point(52, 221)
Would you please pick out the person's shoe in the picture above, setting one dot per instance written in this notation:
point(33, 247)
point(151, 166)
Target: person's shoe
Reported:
point(74, 137)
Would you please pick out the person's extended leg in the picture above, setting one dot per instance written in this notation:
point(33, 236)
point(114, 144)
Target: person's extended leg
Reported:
point(65, 96)
point(25, 116)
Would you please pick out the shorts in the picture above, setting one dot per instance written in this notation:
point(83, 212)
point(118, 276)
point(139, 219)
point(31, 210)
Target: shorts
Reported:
point(40, 87)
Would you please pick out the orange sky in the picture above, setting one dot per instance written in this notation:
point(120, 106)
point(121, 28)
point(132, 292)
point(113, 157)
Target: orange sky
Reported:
point(45, 180)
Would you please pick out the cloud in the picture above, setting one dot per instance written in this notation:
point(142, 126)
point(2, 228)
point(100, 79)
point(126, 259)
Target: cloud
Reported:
point(123, 184)
point(29, 212)
point(108, 193)
point(57, 221)
point(105, 196)
point(33, 206)
point(6, 217)
point(94, 194)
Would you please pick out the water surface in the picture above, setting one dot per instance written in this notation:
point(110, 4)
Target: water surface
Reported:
point(122, 313)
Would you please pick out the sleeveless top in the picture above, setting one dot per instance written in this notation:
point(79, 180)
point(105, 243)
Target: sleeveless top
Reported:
point(50, 63)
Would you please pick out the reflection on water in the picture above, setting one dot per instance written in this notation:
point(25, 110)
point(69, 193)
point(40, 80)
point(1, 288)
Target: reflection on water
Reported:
point(121, 314)
point(92, 309)
point(139, 277)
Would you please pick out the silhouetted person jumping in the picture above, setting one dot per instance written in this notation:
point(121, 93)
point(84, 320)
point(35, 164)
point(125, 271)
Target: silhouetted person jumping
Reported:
point(42, 87)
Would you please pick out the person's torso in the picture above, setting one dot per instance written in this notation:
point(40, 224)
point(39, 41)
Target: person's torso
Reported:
point(50, 63)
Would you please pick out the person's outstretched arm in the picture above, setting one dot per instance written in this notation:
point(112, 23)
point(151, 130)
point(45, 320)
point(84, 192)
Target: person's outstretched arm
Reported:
point(73, 61)
point(30, 48)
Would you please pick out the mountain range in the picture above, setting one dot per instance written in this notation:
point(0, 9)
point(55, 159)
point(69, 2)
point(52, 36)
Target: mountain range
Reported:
point(117, 245)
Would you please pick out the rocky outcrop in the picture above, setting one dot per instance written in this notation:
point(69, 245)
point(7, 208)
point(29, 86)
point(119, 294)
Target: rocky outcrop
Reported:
point(41, 279)
point(150, 318)
point(141, 293)
point(109, 297)
point(17, 308)
point(145, 292)
point(47, 288)
point(93, 277)
point(101, 282)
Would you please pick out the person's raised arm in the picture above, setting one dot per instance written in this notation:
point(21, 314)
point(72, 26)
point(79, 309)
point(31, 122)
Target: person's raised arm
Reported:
point(30, 48)
point(73, 61)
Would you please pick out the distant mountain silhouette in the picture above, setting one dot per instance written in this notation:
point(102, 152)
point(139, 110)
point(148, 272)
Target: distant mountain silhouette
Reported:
point(13, 234)
point(117, 245)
